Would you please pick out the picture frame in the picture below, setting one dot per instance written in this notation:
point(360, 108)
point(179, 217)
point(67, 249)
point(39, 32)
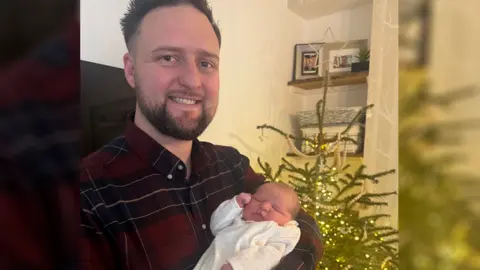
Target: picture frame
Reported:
point(307, 63)
point(341, 55)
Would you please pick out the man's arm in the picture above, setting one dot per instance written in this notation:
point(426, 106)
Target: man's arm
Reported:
point(309, 250)
point(95, 251)
point(38, 156)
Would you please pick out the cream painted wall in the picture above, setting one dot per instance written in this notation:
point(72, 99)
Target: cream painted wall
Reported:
point(256, 63)
point(454, 58)
point(346, 25)
point(101, 39)
point(381, 142)
point(454, 64)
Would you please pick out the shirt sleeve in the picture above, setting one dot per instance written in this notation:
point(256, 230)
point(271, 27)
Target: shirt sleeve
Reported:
point(224, 215)
point(95, 251)
point(309, 250)
point(38, 156)
point(36, 224)
point(268, 255)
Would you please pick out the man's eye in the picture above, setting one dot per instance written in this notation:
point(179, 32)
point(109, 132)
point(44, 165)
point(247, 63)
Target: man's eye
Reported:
point(206, 64)
point(167, 58)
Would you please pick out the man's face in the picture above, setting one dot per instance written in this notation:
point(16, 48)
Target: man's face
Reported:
point(174, 68)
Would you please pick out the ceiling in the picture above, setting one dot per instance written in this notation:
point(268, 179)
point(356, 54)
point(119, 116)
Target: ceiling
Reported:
point(311, 9)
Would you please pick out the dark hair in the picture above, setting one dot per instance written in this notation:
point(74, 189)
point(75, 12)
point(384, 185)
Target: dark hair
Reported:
point(138, 9)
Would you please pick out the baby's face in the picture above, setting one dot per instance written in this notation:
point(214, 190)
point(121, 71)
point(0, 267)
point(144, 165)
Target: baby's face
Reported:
point(271, 203)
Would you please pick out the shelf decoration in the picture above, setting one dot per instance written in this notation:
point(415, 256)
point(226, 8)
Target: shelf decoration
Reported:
point(306, 61)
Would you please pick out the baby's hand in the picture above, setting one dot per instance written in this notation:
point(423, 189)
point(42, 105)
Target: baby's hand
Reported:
point(226, 266)
point(243, 199)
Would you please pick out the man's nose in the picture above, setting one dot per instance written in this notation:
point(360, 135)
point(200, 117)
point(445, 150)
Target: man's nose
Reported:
point(190, 76)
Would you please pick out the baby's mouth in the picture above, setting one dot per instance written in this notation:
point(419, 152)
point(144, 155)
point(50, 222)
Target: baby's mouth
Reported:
point(259, 215)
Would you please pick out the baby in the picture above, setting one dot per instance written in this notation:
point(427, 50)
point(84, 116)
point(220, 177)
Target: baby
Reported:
point(253, 231)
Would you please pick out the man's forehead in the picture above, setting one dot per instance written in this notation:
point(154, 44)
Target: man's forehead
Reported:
point(178, 26)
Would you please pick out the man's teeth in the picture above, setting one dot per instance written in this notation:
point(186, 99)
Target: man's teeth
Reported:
point(184, 100)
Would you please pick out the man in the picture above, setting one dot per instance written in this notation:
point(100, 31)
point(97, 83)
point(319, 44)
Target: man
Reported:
point(147, 197)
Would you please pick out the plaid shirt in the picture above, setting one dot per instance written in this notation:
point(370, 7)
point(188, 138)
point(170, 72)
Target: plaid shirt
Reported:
point(39, 140)
point(138, 211)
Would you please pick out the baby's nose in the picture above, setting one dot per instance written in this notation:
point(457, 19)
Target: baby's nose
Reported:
point(266, 206)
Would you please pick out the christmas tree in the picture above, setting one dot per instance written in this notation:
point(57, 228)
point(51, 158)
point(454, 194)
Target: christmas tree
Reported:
point(438, 222)
point(335, 198)
point(439, 226)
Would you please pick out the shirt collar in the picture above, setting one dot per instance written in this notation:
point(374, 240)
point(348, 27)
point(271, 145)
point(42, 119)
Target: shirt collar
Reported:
point(158, 156)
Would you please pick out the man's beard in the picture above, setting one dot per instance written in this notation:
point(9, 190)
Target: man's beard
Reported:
point(165, 123)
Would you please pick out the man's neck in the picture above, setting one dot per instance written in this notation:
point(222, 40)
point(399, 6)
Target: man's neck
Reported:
point(181, 149)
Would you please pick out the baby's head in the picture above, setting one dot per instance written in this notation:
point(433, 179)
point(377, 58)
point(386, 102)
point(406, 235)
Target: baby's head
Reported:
point(273, 202)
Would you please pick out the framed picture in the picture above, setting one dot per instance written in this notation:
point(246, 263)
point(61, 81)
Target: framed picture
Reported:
point(341, 55)
point(307, 61)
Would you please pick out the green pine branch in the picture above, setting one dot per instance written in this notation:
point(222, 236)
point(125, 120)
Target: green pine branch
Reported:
point(343, 181)
point(284, 134)
point(369, 202)
point(380, 195)
point(387, 234)
point(356, 118)
point(381, 228)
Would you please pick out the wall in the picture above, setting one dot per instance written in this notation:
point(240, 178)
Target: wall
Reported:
point(454, 65)
point(257, 48)
point(346, 25)
point(382, 127)
point(101, 40)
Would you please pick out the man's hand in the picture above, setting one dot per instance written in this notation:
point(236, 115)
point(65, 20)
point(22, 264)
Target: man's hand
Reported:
point(226, 266)
point(243, 199)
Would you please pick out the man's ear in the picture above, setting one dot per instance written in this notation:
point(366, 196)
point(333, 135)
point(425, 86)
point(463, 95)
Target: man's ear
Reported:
point(129, 69)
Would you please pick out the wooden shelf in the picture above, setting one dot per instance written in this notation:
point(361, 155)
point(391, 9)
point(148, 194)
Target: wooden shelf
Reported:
point(348, 155)
point(335, 80)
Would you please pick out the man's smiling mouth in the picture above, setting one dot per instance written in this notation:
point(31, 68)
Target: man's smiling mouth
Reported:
point(184, 100)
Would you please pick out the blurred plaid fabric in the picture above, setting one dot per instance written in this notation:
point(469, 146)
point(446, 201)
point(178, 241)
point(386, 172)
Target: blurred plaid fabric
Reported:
point(39, 146)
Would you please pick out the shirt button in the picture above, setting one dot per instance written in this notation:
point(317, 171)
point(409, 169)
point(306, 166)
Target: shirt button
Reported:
point(169, 176)
point(204, 226)
point(180, 167)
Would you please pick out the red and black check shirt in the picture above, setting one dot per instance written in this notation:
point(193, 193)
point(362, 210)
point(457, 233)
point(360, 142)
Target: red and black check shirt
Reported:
point(39, 143)
point(138, 210)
